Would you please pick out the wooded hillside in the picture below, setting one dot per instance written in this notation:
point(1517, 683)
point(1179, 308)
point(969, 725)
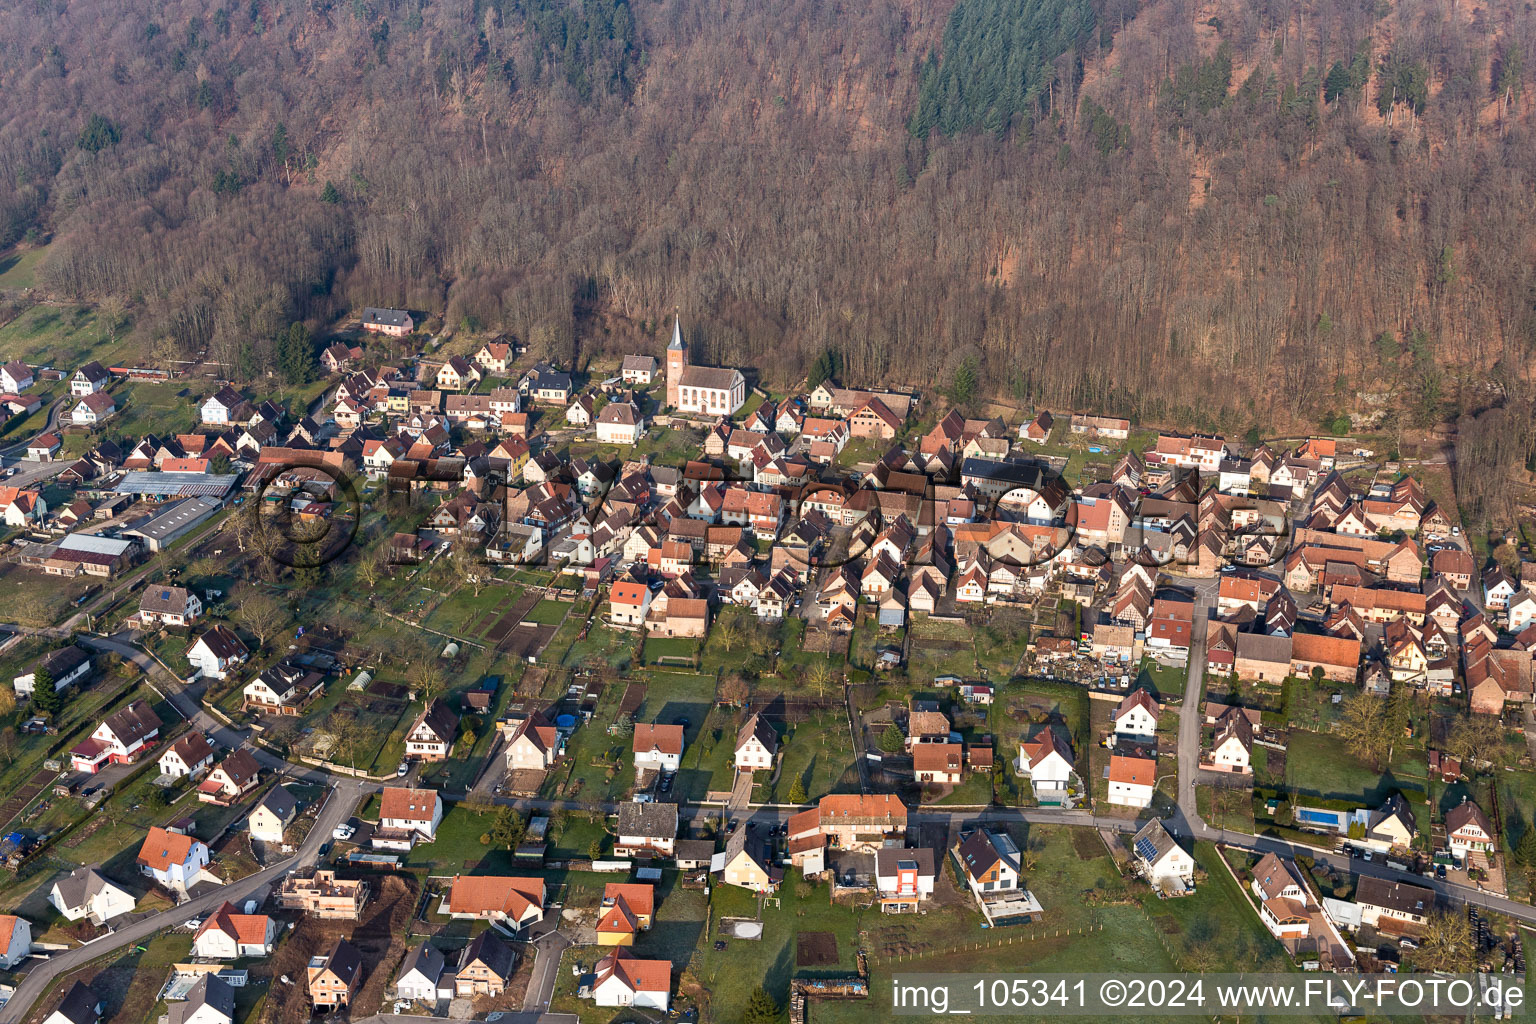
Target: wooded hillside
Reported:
point(1221, 213)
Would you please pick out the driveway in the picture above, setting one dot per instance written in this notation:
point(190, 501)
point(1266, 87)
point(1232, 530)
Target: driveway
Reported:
point(541, 987)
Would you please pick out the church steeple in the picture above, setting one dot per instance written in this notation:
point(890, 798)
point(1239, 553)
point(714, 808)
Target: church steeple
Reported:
point(677, 361)
point(677, 334)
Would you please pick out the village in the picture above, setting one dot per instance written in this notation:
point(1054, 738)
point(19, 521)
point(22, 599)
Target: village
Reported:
point(461, 683)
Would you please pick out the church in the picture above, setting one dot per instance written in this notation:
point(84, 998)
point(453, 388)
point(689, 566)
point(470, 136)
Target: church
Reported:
point(709, 390)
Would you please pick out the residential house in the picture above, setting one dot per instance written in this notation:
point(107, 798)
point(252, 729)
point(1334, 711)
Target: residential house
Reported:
point(749, 862)
point(535, 744)
point(620, 423)
point(274, 812)
point(187, 756)
point(169, 606)
point(430, 737)
point(1285, 901)
point(1468, 831)
point(420, 974)
point(231, 779)
point(334, 977)
point(493, 357)
point(510, 901)
point(1135, 717)
point(646, 830)
point(1391, 906)
point(283, 689)
point(216, 652)
point(15, 940)
point(396, 323)
point(1132, 780)
point(638, 369)
point(63, 665)
point(628, 604)
point(15, 377)
point(1161, 860)
point(904, 878)
point(407, 816)
point(210, 1000)
point(756, 744)
point(860, 822)
point(80, 1005)
point(119, 739)
point(86, 893)
point(92, 409)
point(325, 896)
point(989, 862)
point(627, 909)
point(229, 935)
point(89, 379)
point(43, 448)
point(938, 762)
point(658, 747)
point(1232, 747)
point(1046, 760)
point(621, 979)
point(173, 860)
point(485, 966)
point(224, 406)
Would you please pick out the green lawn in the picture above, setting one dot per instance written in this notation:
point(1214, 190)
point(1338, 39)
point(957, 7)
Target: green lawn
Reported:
point(62, 336)
point(18, 270)
point(819, 752)
point(1321, 765)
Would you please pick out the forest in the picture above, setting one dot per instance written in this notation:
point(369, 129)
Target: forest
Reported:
point(1225, 214)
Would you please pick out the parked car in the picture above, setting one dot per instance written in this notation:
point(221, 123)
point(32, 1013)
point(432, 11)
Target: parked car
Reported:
point(403, 770)
point(342, 831)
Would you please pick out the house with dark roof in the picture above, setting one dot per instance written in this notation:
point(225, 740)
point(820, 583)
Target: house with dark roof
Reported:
point(430, 737)
point(646, 830)
point(334, 977)
point(485, 966)
point(119, 739)
point(80, 1005)
point(273, 813)
point(216, 652)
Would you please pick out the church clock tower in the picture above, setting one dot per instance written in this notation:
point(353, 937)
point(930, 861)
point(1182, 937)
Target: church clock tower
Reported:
point(677, 361)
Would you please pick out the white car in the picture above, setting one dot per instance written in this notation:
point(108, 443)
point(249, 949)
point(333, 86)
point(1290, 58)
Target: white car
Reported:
point(342, 832)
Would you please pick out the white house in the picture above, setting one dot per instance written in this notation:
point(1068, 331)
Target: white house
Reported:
point(86, 893)
point(628, 604)
point(15, 377)
point(407, 816)
point(620, 423)
point(658, 747)
point(65, 665)
point(1232, 748)
point(534, 746)
point(1521, 610)
point(80, 1005)
point(228, 935)
point(222, 406)
point(1132, 780)
point(171, 859)
point(756, 745)
point(92, 409)
point(1285, 903)
point(88, 380)
point(622, 979)
point(187, 756)
point(15, 940)
point(1136, 718)
point(1162, 861)
point(169, 606)
point(216, 652)
point(210, 1000)
point(119, 739)
point(1047, 762)
point(419, 975)
point(1468, 830)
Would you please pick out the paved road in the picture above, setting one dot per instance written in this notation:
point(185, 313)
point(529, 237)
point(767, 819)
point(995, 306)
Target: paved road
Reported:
point(541, 987)
point(37, 981)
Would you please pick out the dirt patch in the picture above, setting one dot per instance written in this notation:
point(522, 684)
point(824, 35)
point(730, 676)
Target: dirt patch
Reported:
point(389, 691)
point(1087, 844)
point(24, 795)
point(379, 937)
point(815, 949)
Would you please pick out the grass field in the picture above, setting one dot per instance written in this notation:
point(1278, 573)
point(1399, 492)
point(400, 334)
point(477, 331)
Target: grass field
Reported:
point(1320, 765)
point(60, 336)
point(18, 270)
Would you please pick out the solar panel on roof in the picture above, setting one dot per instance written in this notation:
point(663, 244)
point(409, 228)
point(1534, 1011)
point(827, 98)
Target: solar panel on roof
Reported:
point(1145, 849)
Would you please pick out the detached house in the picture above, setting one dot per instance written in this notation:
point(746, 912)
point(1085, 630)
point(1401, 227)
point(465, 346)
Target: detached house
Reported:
point(988, 861)
point(430, 737)
point(80, 1005)
point(284, 689)
point(273, 814)
point(507, 900)
point(229, 935)
point(1161, 860)
point(904, 878)
point(1232, 748)
point(620, 979)
point(89, 379)
point(187, 756)
point(756, 745)
point(1132, 780)
point(92, 409)
point(169, 606)
point(64, 665)
point(172, 859)
point(626, 910)
point(1468, 831)
point(224, 406)
point(15, 377)
point(333, 978)
point(628, 604)
point(86, 893)
point(216, 652)
point(534, 746)
point(210, 1000)
point(419, 974)
point(646, 830)
point(231, 779)
point(485, 966)
point(1285, 902)
point(119, 739)
point(658, 747)
point(407, 816)
point(15, 940)
point(396, 323)
point(1047, 762)
point(1135, 718)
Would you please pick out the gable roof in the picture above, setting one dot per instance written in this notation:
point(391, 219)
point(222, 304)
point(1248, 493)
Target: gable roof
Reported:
point(488, 950)
point(512, 895)
point(666, 739)
point(648, 821)
point(439, 718)
point(161, 849)
point(403, 803)
point(759, 728)
point(633, 973)
point(1467, 813)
